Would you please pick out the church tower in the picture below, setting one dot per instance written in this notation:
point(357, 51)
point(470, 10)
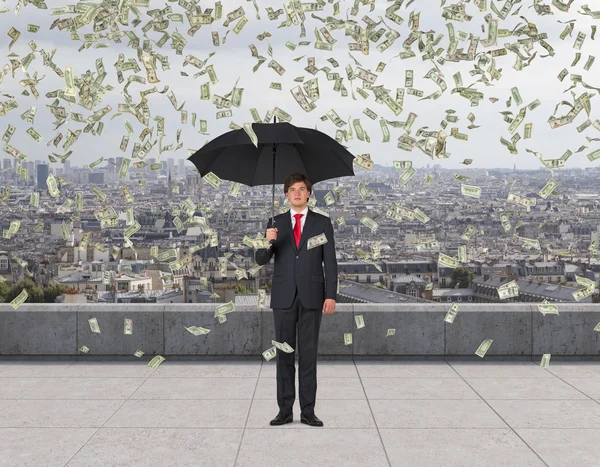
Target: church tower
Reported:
point(170, 193)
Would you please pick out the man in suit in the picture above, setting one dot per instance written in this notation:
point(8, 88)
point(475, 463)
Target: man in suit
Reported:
point(299, 296)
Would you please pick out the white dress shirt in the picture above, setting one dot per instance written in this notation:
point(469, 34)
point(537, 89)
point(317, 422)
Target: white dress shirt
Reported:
point(302, 219)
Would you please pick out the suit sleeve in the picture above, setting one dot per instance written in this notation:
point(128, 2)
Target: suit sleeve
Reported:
point(264, 255)
point(331, 269)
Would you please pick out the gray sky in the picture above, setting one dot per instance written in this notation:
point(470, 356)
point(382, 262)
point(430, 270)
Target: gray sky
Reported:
point(233, 60)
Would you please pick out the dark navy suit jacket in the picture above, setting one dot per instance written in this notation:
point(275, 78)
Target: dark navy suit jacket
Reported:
point(299, 267)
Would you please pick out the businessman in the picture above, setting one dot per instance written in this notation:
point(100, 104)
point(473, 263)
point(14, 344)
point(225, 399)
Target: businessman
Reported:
point(299, 296)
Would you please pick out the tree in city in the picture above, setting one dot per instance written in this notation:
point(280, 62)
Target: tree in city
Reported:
point(36, 293)
point(461, 277)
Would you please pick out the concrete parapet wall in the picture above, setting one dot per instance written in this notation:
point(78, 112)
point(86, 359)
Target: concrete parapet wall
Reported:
point(518, 330)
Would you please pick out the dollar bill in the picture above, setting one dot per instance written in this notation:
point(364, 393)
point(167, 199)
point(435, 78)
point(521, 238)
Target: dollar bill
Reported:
point(347, 338)
point(155, 362)
point(483, 347)
point(545, 362)
point(451, 314)
point(269, 354)
point(19, 299)
point(94, 327)
point(316, 241)
point(360, 322)
point(285, 347)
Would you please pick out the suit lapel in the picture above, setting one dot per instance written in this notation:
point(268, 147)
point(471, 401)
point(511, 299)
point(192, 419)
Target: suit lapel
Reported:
point(308, 226)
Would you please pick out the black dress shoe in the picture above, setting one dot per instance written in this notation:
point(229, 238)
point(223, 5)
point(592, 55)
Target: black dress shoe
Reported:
point(311, 419)
point(282, 419)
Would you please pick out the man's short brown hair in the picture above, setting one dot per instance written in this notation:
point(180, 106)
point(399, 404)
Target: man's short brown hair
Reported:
point(295, 178)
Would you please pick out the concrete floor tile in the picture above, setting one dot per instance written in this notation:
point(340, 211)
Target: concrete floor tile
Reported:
point(34, 447)
point(457, 448)
point(17, 369)
point(434, 414)
point(575, 369)
point(492, 369)
point(318, 446)
point(417, 388)
point(57, 413)
point(207, 369)
point(80, 369)
point(160, 447)
point(589, 386)
point(524, 388)
point(405, 369)
point(14, 388)
point(196, 388)
point(548, 413)
point(180, 414)
point(564, 448)
point(85, 388)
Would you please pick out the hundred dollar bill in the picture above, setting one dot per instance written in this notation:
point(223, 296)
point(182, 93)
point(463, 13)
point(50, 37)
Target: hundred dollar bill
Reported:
point(52, 187)
point(19, 299)
point(138, 353)
point(94, 325)
point(250, 132)
point(316, 241)
point(212, 179)
point(548, 188)
point(84, 349)
point(360, 322)
point(469, 190)
point(483, 347)
point(547, 308)
point(545, 360)
point(447, 261)
point(371, 224)
point(347, 338)
point(129, 231)
point(285, 347)
point(407, 175)
point(468, 233)
point(225, 308)
point(127, 326)
point(451, 314)
point(363, 162)
point(421, 216)
point(156, 361)
point(269, 354)
point(197, 330)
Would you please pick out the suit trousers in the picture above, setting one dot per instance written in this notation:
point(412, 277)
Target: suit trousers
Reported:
point(309, 323)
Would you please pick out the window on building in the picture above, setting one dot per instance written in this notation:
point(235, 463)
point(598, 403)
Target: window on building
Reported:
point(459, 299)
point(470, 299)
point(448, 299)
point(413, 292)
point(4, 263)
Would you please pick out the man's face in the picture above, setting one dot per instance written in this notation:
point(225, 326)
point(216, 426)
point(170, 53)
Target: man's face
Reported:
point(298, 196)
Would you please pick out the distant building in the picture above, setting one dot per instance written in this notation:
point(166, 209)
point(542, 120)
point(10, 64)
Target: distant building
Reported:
point(42, 176)
point(96, 178)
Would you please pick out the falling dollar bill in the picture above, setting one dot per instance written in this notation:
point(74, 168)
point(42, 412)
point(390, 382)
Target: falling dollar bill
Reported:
point(19, 299)
point(94, 325)
point(316, 241)
point(547, 308)
point(360, 322)
point(197, 330)
point(451, 314)
point(156, 361)
point(545, 360)
point(285, 347)
point(347, 338)
point(483, 347)
point(269, 354)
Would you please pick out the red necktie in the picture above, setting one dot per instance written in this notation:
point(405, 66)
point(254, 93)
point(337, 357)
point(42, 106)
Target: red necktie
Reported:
point(297, 232)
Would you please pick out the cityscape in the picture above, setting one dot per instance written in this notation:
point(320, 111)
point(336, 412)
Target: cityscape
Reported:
point(182, 221)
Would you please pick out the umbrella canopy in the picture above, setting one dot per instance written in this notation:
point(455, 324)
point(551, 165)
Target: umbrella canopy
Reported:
point(232, 156)
point(282, 149)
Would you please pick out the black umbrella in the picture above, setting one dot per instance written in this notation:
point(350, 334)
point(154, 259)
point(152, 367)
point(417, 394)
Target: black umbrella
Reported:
point(282, 149)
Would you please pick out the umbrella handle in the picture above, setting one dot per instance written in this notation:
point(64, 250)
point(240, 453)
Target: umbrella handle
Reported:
point(273, 191)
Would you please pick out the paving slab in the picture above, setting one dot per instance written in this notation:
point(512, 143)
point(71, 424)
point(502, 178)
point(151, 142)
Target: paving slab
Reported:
point(375, 413)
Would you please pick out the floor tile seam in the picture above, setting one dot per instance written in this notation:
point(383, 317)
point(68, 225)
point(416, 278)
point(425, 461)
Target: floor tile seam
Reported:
point(387, 399)
point(106, 421)
point(237, 454)
point(387, 457)
point(569, 384)
point(502, 418)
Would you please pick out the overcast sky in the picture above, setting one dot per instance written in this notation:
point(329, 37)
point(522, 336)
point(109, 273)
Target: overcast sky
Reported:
point(233, 60)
